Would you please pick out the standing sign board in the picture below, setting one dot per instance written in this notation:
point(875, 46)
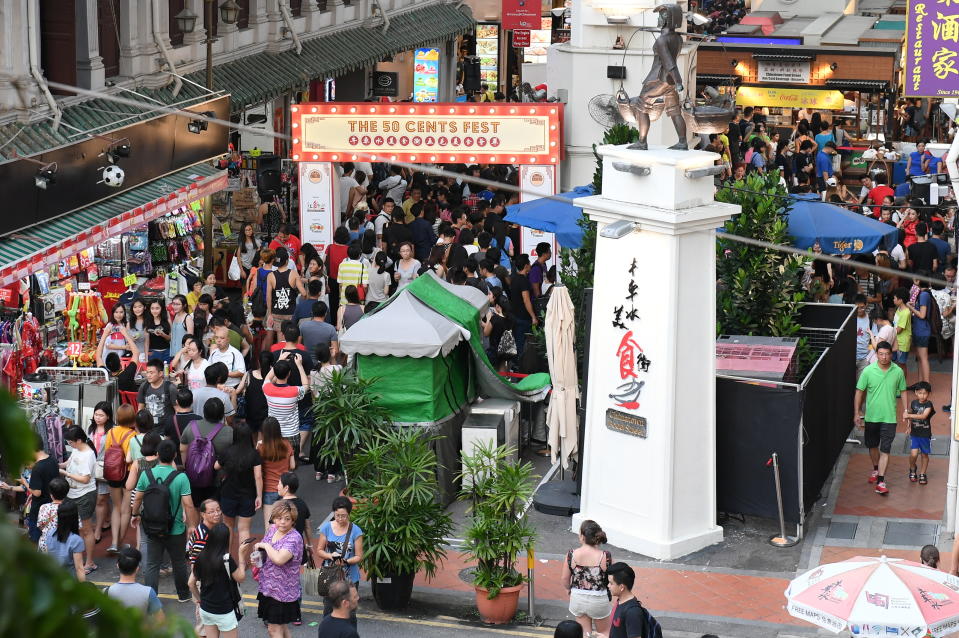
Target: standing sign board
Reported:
point(426, 75)
point(931, 54)
point(538, 179)
point(317, 220)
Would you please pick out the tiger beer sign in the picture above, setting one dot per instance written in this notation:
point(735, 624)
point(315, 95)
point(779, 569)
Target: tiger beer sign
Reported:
point(514, 133)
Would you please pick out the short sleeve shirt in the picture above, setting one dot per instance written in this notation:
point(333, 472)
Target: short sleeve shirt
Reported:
point(158, 401)
point(179, 487)
point(337, 543)
point(63, 552)
point(282, 582)
point(882, 388)
point(627, 620)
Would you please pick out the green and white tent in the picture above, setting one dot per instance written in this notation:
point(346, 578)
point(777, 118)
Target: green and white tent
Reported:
point(425, 344)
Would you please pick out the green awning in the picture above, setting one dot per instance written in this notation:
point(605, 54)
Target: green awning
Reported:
point(46, 237)
point(256, 78)
point(97, 116)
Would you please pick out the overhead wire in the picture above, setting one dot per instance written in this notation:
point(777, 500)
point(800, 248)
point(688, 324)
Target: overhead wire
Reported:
point(440, 172)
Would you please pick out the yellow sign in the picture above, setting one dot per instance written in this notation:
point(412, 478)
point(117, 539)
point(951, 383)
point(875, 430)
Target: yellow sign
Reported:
point(440, 133)
point(789, 98)
point(130, 280)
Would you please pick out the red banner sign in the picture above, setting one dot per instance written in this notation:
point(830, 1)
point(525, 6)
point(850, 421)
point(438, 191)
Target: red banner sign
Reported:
point(520, 38)
point(521, 14)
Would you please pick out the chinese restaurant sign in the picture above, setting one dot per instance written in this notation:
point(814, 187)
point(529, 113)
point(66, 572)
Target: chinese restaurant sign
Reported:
point(932, 48)
point(440, 133)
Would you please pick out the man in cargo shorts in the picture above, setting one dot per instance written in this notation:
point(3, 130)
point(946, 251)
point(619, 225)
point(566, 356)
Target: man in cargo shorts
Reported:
point(882, 383)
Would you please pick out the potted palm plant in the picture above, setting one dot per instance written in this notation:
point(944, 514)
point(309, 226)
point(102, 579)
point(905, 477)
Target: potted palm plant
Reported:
point(404, 526)
point(497, 490)
point(347, 414)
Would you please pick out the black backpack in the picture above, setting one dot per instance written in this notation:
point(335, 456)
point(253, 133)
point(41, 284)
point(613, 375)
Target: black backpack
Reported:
point(156, 515)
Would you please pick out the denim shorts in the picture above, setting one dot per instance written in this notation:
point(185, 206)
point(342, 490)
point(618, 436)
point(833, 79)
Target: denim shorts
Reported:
point(269, 498)
point(900, 357)
point(920, 342)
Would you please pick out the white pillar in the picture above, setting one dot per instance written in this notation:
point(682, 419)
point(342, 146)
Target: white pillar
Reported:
point(90, 70)
point(649, 474)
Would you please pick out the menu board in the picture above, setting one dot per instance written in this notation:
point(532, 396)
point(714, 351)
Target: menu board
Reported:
point(539, 41)
point(487, 49)
point(426, 75)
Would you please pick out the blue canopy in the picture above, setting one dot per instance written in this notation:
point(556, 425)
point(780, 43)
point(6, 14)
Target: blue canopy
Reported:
point(552, 216)
point(839, 231)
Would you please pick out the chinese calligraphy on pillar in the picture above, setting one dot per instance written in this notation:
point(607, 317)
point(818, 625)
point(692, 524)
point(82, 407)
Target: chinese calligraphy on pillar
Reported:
point(932, 48)
point(633, 362)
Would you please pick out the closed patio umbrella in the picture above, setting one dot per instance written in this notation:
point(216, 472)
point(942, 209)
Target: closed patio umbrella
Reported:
point(561, 416)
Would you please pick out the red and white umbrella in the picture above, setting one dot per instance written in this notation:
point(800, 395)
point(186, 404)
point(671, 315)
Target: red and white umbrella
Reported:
point(872, 596)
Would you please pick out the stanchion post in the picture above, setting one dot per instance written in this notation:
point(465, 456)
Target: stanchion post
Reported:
point(781, 540)
point(531, 579)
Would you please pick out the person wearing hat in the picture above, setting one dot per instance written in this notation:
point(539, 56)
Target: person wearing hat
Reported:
point(824, 171)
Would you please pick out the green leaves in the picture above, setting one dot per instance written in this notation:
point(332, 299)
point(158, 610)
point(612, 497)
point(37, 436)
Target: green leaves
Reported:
point(497, 490)
point(40, 599)
point(394, 482)
point(759, 290)
point(347, 415)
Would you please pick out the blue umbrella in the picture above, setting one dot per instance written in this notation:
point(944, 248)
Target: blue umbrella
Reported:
point(552, 216)
point(839, 231)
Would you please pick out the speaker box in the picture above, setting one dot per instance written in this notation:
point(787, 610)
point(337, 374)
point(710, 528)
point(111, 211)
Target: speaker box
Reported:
point(268, 177)
point(471, 75)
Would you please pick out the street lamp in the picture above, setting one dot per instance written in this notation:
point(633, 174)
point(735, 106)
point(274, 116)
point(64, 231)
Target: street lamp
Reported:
point(186, 22)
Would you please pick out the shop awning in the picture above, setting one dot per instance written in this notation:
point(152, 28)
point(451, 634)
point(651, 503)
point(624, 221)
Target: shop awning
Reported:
point(716, 79)
point(256, 78)
point(22, 254)
point(784, 57)
point(875, 86)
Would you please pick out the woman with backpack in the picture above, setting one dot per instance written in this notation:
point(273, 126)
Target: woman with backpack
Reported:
point(242, 482)
point(115, 471)
point(277, 456)
point(215, 580)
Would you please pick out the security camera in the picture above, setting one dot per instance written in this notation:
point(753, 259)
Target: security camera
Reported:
point(113, 176)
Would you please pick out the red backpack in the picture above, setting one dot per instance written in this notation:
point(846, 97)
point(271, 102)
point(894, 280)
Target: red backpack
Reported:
point(115, 461)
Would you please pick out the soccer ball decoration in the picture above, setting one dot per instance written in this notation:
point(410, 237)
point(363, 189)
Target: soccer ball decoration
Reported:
point(113, 176)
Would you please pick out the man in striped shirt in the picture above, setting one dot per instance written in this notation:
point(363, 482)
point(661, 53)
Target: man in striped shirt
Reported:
point(210, 515)
point(353, 271)
point(282, 398)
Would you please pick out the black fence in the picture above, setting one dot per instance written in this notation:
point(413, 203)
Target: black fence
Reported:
point(805, 423)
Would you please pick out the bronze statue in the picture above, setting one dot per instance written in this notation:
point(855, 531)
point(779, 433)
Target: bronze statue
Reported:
point(662, 86)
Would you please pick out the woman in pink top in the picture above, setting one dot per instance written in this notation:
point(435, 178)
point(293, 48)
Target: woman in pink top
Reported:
point(279, 596)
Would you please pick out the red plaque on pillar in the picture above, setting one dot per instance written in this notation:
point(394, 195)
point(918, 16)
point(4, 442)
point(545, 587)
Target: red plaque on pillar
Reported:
point(521, 14)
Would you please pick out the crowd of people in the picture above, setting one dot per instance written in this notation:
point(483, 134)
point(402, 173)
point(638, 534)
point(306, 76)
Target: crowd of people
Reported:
point(217, 389)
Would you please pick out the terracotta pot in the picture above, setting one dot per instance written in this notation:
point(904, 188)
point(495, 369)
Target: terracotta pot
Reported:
point(501, 609)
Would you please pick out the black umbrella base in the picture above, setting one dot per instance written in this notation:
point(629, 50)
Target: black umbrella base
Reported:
point(557, 498)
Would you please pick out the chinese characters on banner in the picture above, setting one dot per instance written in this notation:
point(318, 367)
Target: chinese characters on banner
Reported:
point(633, 361)
point(932, 48)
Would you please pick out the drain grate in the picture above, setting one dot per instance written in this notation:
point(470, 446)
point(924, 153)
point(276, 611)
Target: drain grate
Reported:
point(842, 530)
point(910, 534)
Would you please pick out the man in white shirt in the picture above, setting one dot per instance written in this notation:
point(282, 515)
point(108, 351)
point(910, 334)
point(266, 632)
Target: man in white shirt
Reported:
point(346, 183)
point(394, 186)
point(230, 357)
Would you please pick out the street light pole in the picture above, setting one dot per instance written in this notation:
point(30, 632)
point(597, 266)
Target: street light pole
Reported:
point(208, 9)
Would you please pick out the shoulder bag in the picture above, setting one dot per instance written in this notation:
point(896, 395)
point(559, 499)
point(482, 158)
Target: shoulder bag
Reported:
point(336, 570)
point(235, 596)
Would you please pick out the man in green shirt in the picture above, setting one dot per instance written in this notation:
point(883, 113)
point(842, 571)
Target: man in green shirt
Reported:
point(173, 543)
point(881, 383)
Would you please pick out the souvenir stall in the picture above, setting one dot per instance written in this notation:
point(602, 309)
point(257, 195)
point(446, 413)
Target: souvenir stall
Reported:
point(62, 281)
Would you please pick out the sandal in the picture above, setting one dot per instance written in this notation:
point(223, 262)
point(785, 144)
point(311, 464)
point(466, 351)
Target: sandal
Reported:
point(90, 570)
point(912, 474)
point(923, 479)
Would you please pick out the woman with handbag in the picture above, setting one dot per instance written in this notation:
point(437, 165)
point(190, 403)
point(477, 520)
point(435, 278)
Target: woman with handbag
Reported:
point(279, 576)
point(214, 583)
point(340, 544)
point(350, 311)
point(497, 324)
